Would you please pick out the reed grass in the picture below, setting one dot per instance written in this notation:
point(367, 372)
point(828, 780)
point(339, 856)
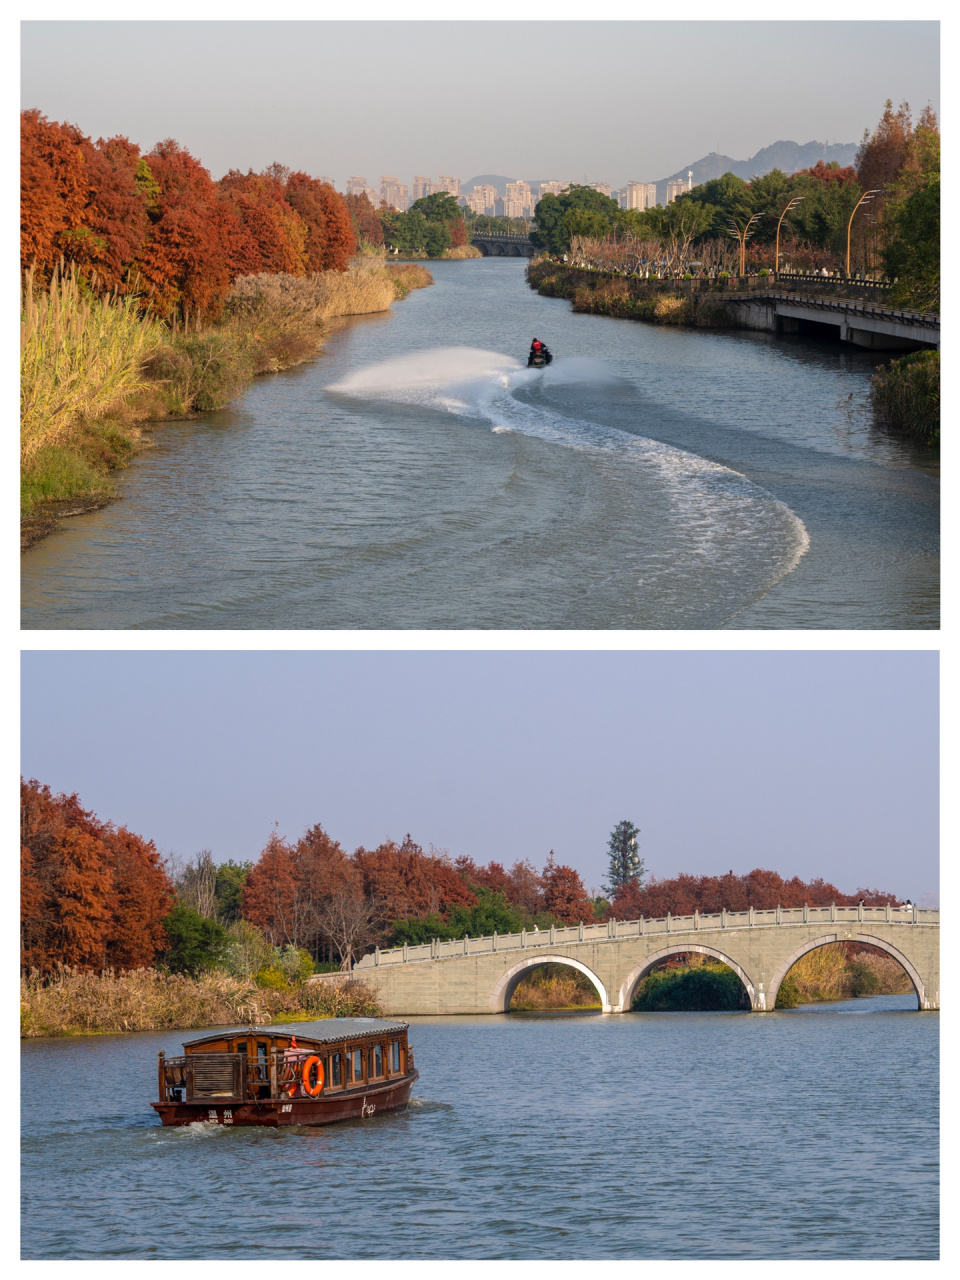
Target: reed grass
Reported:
point(906, 396)
point(837, 972)
point(555, 986)
point(75, 1003)
point(80, 357)
point(93, 368)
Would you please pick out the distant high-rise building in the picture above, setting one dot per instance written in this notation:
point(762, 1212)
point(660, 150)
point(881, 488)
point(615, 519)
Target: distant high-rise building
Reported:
point(421, 186)
point(640, 195)
point(678, 186)
point(448, 184)
point(519, 192)
point(356, 186)
point(395, 193)
point(482, 198)
point(552, 188)
point(602, 187)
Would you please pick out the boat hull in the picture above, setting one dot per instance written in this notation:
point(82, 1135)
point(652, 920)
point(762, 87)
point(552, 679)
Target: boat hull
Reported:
point(349, 1104)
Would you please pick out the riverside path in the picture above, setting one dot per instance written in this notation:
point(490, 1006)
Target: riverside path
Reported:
point(479, 975)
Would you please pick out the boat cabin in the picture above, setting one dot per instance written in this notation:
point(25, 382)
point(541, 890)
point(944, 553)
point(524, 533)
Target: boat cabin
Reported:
point(336, 1057)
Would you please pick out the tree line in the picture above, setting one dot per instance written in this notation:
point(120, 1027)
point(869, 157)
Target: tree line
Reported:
point(896, 230)
point(96, 896)
point(158, 226)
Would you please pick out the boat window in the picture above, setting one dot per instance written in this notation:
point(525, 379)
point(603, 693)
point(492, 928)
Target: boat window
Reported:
point(357, 1066)
point(376, 1060)
point(336, 1073)
point(395, 1055)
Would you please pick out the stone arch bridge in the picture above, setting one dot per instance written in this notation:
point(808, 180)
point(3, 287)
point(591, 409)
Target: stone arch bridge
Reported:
point(479, 975)
point(505, 246)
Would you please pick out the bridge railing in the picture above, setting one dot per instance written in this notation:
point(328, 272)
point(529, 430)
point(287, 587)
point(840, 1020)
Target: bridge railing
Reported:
point(612, 930)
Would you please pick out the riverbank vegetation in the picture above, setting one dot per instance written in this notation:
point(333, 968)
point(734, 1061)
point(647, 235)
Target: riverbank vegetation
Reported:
point(152, 292)
point(905, 395)
point(555, 987)
point(72, 1002)
point(98, 900)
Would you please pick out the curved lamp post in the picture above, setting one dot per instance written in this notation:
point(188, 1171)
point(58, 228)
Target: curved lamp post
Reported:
point(867, 195)
point(793, 203)
point(742, 235)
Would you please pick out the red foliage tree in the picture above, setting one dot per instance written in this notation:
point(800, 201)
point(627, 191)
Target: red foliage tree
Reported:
point(142, 896)
point(53, 188)
point(186, 264)
point(331, 239)
point(270, 892)
point(277, 230)
point(366, 224)
point(563, 893)
point(683, 894)
point(458, 233)
point(829, 173)
point(408, 882)
point(91, 895)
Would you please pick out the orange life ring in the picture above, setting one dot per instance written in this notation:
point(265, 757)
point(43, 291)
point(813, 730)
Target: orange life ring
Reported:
point(312, 1090)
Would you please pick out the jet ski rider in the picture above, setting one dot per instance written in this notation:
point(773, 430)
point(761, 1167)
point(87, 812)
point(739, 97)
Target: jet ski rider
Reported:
point(538, 348)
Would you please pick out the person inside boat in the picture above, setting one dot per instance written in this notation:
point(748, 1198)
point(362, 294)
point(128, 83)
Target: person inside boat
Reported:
point(538, 348)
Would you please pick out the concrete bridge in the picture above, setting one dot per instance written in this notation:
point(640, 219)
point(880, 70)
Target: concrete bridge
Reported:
point(480, 975)
point(503, 246)
point(862, 323)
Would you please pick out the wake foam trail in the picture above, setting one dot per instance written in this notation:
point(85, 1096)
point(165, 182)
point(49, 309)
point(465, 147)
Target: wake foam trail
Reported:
point(720, 514)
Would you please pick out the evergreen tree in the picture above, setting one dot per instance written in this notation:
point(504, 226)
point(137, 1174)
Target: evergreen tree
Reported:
point(625, 861)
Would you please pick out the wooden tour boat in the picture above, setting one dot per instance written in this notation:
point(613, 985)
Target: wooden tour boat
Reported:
point(355, 1067)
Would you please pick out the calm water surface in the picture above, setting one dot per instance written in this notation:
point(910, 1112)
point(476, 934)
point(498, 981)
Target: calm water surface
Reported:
point(807, 1134)
point(650, 478)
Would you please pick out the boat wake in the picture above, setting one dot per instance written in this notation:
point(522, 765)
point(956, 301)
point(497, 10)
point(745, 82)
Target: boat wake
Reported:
point(717, 516)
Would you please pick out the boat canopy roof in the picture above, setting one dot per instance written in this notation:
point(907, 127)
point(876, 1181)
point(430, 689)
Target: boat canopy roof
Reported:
point(324, 1031)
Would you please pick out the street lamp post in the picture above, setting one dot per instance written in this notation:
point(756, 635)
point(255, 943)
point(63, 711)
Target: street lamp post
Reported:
point(867, 195)
point(776, 262)
point(742, 235)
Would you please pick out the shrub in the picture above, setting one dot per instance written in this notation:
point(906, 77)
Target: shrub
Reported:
point(906, 396)
point(195, 943)
point(691, 987)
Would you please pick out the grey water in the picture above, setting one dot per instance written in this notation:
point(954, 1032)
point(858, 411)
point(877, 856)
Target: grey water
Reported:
point(416, 475)
point(811, 1133)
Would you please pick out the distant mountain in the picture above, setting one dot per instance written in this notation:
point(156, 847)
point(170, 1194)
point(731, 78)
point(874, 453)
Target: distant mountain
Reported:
point(788, 156)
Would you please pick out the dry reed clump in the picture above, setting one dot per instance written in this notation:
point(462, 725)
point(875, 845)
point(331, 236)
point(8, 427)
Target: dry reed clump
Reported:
point(75, 1003)
point(80, 357)
point(672, 310)
point(462, 251)
point(835, 972)
point(408, 275)
point(555, 986)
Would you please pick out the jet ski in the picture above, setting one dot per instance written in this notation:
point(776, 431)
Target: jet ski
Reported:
point(539, 359)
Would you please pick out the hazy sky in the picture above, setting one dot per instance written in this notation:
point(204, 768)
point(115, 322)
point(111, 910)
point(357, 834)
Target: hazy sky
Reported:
point(817, 764)
point(577, 100)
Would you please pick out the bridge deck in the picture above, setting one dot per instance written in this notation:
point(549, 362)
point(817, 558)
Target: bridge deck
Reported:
point(617, 930)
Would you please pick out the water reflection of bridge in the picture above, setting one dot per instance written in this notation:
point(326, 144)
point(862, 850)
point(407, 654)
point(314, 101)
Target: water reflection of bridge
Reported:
point(479, 975)
point(503, 246)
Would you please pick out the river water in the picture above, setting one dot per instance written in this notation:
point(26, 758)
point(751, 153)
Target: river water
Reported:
point(650, 478)
point(811, 1133)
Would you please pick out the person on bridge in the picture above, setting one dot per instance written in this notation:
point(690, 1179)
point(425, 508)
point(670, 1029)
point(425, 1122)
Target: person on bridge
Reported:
point(538, 348)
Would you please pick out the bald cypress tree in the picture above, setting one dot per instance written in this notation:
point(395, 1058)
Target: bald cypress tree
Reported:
point(625, 861)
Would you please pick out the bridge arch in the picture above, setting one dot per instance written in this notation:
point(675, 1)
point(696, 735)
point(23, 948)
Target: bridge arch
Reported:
point(508, 982)
point(629, 987)
point(827, 939)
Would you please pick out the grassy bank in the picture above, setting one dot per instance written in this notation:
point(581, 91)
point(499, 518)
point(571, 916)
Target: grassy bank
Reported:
point(905, 395)
point(555, 986)
point(93, 371)
point(73, 1003)
point(595, 293)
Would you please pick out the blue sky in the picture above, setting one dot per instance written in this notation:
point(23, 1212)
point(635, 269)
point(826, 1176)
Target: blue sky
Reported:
point(570, 100)
point(809, 763)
